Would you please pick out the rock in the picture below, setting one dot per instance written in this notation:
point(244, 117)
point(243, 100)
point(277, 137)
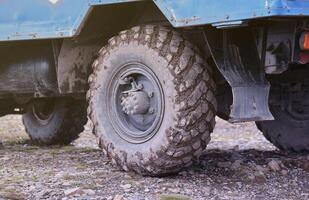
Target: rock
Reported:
point(126, 186)
point(118, 197)
point(160, 180)
point(146, 190)
point(174, 197)
point(236, 165)
point(72, 191)
point(305, 166)
point(89, 192)
point(274, 165)
point(66, 183)
point(224, 164)
point(260, 168)
point(174, 190)
point(31, 188)
point(259, 177)
point(183, 173)
point(236, 148)
point(284, 172)
point(251, 177)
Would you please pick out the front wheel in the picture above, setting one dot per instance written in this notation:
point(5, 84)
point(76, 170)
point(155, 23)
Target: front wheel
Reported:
point(151, 101)
point(55, 121)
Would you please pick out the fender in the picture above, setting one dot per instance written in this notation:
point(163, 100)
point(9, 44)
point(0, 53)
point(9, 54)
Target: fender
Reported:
point(227, 12)
point(47, 19)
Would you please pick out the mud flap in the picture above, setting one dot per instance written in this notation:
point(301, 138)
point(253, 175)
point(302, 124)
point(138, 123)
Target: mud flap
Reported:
point(236, 56)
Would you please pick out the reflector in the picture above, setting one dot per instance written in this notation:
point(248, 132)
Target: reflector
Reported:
point(304, 41)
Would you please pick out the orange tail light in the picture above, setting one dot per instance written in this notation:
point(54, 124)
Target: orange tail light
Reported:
point(304, 41)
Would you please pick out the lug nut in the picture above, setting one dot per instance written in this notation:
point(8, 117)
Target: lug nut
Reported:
point(150, 94)
point(151, 110)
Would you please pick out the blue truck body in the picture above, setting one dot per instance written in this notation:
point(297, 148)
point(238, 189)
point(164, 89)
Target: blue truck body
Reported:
point(39, 19)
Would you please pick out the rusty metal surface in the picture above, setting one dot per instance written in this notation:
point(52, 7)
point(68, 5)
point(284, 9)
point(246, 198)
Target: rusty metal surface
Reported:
point(74, 63)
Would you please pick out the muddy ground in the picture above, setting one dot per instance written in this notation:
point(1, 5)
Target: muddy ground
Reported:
point(238, 164)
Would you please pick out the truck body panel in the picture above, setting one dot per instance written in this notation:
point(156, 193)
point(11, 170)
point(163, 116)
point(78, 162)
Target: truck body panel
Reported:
point(199, 12)
point(37, 19)
point(44, 19)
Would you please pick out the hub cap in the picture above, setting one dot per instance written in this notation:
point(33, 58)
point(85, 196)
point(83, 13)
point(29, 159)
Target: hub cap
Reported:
point(43, 110)
point(136, 103)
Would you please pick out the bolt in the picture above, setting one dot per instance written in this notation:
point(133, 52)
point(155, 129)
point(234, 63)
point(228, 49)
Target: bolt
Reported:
point(140, 86)
point(150, 94)
point(151, 110)
point(135, 108)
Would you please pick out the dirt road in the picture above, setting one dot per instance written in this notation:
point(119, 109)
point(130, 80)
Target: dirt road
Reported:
point(238, 164)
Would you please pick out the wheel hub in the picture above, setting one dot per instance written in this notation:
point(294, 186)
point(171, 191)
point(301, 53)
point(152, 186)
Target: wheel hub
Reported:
point(43, 110)
point(136, 100)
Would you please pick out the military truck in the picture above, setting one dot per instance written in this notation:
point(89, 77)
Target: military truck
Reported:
point(152, 75)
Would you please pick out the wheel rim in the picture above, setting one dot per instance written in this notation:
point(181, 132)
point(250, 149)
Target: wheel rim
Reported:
point(43, 110)
point(137, 104)
point(294, 112)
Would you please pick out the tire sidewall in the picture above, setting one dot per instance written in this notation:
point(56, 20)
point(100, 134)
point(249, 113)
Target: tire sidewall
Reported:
point(285, 132)
point(116, 58)
point(45, 133)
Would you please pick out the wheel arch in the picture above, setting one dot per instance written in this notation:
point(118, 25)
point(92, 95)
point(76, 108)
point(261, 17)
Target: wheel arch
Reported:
point(74, 56)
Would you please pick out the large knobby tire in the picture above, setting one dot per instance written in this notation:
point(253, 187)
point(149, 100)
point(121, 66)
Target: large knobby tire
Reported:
point(56, 121)
point(286, 132)
point(185, 114)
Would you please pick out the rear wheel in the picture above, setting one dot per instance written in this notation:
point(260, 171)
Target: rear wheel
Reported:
point(151, 101)
point(55, 121)
point(290, 129)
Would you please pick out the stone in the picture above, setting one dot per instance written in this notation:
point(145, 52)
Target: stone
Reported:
point(259, 177)
point(224, 164)
point(118, 197)
point(174, 190)
point(89, 192)
point(274, 165)
point(236, 165)
point(284, 172)
point(260, 168)
point(126, 186)
point(174, 197)
point(71, 191)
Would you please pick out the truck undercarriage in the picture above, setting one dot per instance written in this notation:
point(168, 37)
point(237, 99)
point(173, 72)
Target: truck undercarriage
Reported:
point(153, 90)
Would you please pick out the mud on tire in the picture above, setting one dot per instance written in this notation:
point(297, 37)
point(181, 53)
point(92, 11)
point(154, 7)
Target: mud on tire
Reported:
point(188, 116)
point(61, 125)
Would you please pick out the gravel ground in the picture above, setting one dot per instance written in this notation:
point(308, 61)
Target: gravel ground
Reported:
point(238, 164)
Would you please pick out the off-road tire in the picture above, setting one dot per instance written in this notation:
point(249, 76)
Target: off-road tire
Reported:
point(190, 104)
point(286, 133)
point(65, 125)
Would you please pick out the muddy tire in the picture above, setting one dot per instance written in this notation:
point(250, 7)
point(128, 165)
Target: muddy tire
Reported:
point(286, 132)
point(55, 122)
point(177, 116)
